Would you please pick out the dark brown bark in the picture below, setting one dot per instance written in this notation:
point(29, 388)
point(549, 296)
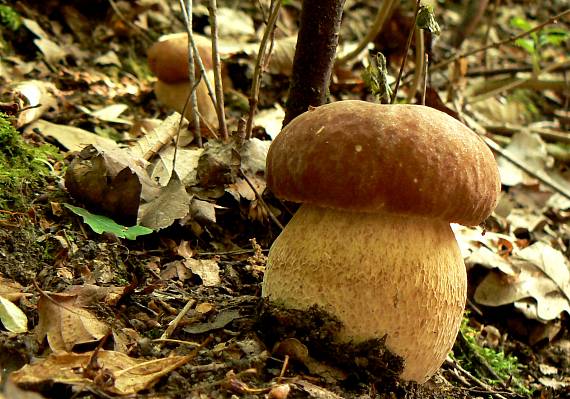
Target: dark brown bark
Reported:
point(314, 56)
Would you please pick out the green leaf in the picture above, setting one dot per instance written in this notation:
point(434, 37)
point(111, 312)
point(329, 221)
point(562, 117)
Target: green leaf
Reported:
point(376, 78)
point(527, 44)
point(521, 23)
point(103, 224)
point(426, 20)
point(12, 317)
point(554, 36)
point(9, 18)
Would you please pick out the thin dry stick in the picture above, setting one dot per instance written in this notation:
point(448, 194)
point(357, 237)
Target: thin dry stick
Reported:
point(192, 77)
point(477, 381)
point(381, 17)
point(259, 62)
point(516, 83)
point(174, 323)
point(490, 24)
point(547, 181)
point(419, 67)
point(207, 125)
point(181, 122)
point(212, 7)
point(511, 39)
point(510, 70)
point(262, 201)
point(197, 57)
point(548, 135)
point(408, 44)
point(426, 70)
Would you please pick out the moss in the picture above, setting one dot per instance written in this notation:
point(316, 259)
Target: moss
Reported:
point(24, 169)
point(486, 363)
point(9, 18)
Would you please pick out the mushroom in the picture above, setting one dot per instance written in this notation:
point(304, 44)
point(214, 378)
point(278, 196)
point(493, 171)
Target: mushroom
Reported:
point(372, 243)
point(168, 60)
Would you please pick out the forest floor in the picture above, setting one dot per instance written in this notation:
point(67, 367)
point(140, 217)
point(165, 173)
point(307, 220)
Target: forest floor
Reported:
point(178, 313)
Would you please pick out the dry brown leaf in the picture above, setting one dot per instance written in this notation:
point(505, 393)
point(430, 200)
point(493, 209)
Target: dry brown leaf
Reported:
point(186, 165)
point(72, 138)
point(207, 269)
point(253, 155)
point(218, 164)
point(171, 204)
point(66, 323)
point(39, 98)
point(109, 113)
point(531, 151)
point(150, 144)
point(11, 289)
point(233, 23)
point(539, 285)
point(109, 58)
point(271, 120)
point(204, 308)
point(185, 250)
point(128, 375)
point(176, 269)
point(52, 52)
point(110, 179)
point(281, 61)
point(222, 319)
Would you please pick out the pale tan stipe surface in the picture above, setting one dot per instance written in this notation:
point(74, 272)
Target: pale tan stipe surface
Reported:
point(379, 274)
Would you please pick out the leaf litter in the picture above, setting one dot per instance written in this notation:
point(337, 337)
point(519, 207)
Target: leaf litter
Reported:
point(207, 206)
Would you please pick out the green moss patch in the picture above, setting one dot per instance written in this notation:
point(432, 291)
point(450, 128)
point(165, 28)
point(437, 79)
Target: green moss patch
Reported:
point(24, 169)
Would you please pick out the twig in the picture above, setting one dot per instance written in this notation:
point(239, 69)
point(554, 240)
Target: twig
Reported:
point(481, 360)
point(544, 179)
point(382, 16)
point(530, 82)
point(192, 99)
point(259, 62)
point(207, 125)
point(283, 369)
point(197, 57)
point(174, 323)
point(547, 181)
point(476, 380)
point(181, 122)
point(225, 253)
point(426, 71)
point(261, 200)
point(496, 4)
point(548, 135)
point(419, 67)
point(408, 43)
point(176, 341)
point(511, 70)
point(502, 42)
point(222, 128)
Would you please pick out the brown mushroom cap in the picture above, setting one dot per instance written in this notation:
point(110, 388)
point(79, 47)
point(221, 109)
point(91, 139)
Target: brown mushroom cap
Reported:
point(365, 157)
point(168, 58)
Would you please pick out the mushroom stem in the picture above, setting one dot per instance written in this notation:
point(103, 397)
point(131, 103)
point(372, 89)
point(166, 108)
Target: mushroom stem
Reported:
point(379, 274)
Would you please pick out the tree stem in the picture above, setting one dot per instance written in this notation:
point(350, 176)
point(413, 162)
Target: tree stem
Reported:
point(314, 55)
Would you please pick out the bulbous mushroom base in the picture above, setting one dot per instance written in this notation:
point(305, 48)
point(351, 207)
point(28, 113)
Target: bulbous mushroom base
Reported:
point(379, 274)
